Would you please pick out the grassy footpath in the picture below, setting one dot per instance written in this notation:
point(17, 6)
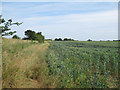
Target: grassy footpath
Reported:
point(24, 65)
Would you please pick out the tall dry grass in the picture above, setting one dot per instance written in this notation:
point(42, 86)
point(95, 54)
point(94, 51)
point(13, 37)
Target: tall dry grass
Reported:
point(24, 66)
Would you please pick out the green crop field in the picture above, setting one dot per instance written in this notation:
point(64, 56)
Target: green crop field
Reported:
point(61, 64)
point(81, 64)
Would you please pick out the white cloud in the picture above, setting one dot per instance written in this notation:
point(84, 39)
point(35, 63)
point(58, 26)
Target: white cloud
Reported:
point(20, 10)
point(98, 16)
point(100, 25)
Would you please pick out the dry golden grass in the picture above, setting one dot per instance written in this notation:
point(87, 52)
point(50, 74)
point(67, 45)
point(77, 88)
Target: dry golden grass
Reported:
point(24, 65)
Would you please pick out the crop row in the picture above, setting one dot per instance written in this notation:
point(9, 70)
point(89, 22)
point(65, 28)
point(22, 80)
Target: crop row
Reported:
point(83, 64)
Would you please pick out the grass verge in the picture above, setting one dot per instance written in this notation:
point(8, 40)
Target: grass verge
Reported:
point(24, 65)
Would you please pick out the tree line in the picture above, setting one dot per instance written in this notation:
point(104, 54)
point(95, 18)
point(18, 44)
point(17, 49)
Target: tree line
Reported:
point(65, 39)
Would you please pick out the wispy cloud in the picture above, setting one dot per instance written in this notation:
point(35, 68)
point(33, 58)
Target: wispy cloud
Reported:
point(21, 10)
point(76, 20)
point(102, 25)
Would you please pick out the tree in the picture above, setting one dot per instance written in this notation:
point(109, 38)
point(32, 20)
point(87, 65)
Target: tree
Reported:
point(58, 39)
point(89, 40)
point(66, 39)
point(15, 37)
point(5, 26)
point(30, 34)
point(39, 37)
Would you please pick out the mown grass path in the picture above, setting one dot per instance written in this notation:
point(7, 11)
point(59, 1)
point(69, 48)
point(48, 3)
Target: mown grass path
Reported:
point(24, 65)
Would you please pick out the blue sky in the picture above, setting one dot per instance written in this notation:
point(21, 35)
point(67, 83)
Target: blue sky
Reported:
point(60, 0)
point(82, 20)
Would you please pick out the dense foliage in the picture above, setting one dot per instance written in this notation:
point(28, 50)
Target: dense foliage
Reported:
point(84, 64)
point(58, 39)
point(65, 39)
point(32, 35)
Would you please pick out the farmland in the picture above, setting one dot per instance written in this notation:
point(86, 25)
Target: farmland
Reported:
point(84, 64)
point(62, 64)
